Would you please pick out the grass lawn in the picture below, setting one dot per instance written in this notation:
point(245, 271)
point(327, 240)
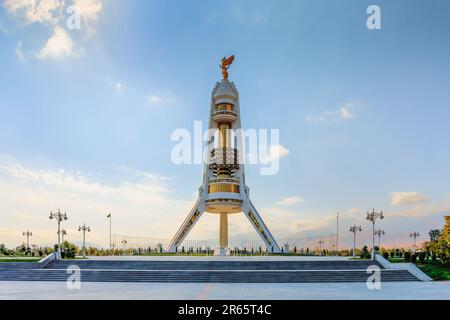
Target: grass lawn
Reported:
point(396, 260)
point(437, 271)
point(19, 259)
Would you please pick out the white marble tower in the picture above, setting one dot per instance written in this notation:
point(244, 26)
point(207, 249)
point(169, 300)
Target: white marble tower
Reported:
point(224, 191)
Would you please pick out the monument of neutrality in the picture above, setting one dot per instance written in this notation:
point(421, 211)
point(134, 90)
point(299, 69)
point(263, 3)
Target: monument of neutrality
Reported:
point(224, 191)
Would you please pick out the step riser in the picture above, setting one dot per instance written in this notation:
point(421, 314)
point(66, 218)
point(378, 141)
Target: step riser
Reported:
point(154, 265)
point(209, 272)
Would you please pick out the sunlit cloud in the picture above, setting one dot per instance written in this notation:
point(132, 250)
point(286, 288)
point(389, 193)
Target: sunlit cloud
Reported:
point(19, 52)
point(344, 112)
point(142, 202)
point(40, 11)
point(288, 201)
point(160, 99)
point(405, 198)
point(115, 85)
point(60, 45)
point(269, 154)
point(53, 15)
point(249, 17)
point(89, 11)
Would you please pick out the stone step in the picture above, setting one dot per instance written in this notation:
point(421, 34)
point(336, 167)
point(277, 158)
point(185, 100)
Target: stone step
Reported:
point(215, 265)
point(206, 276)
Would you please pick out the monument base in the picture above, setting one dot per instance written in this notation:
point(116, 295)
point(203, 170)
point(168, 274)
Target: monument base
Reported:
point(222, 251)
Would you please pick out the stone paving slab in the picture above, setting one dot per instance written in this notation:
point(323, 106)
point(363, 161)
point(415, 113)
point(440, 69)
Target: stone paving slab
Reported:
point(214, 291)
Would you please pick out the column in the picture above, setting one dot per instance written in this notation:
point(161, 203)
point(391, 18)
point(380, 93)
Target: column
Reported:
point(223, 235)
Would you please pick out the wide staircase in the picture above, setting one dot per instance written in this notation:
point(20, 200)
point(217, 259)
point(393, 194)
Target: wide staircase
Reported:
point(207, 271)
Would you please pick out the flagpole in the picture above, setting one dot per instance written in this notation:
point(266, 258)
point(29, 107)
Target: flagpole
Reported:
point(337, 234)
point(110, 229)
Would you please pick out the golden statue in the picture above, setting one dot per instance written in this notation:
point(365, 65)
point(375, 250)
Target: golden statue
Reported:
point(226, 63)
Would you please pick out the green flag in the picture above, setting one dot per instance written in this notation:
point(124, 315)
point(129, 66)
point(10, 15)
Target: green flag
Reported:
point(109, 215)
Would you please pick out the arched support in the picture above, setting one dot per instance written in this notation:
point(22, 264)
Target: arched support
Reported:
point(187, 226)
point(260, 227)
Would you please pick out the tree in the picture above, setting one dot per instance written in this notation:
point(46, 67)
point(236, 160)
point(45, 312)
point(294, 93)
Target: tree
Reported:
point(434, 235)
point(68, 250)
point(365, 253)
point(444, 242)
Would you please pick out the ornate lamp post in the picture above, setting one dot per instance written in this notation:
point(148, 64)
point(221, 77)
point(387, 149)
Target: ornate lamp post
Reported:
point(414, 235)
point(59, 216)
point(372, 217)
point(83, 229)
point(63, 233)
point(124, 243)
point(355, 229)
point(379, 233)
point(28, 234)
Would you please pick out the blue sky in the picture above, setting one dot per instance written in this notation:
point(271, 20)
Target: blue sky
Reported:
point(86, 118)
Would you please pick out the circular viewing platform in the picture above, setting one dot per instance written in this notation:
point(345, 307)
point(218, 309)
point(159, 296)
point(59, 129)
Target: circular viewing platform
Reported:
point(224, 116)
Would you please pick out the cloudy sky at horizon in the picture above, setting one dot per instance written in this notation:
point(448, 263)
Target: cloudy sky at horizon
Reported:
point(86, 115)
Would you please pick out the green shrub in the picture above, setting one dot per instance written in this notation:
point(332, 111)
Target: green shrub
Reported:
point(414, 258)
point(407, 256)
point(422, 257)
point(385, 255)
point(365, 253)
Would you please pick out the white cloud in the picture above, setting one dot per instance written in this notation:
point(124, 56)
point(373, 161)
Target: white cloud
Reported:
point(41, 11)
point(247, 17)
point(160, 100)
point(19, 51)
point(411, 197)
point(288, 201)
point(3, 29)
point(52, 14)
point(117, 86)
point(344, 112)
point(89, 11)
point(141, 202)
point(275, 152)
point(60, 45)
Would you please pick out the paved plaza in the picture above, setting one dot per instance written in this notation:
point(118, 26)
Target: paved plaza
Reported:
point(223, 291)
point(197, 291)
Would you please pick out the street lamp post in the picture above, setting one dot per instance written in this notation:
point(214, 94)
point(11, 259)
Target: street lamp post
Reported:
point(84, 228)
point(355, 229)
point(59, 216)
point(28, 234)
point(414, 235)
point(372, 217)
point(124, 243)
point(63, 233)
point(379, 233)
